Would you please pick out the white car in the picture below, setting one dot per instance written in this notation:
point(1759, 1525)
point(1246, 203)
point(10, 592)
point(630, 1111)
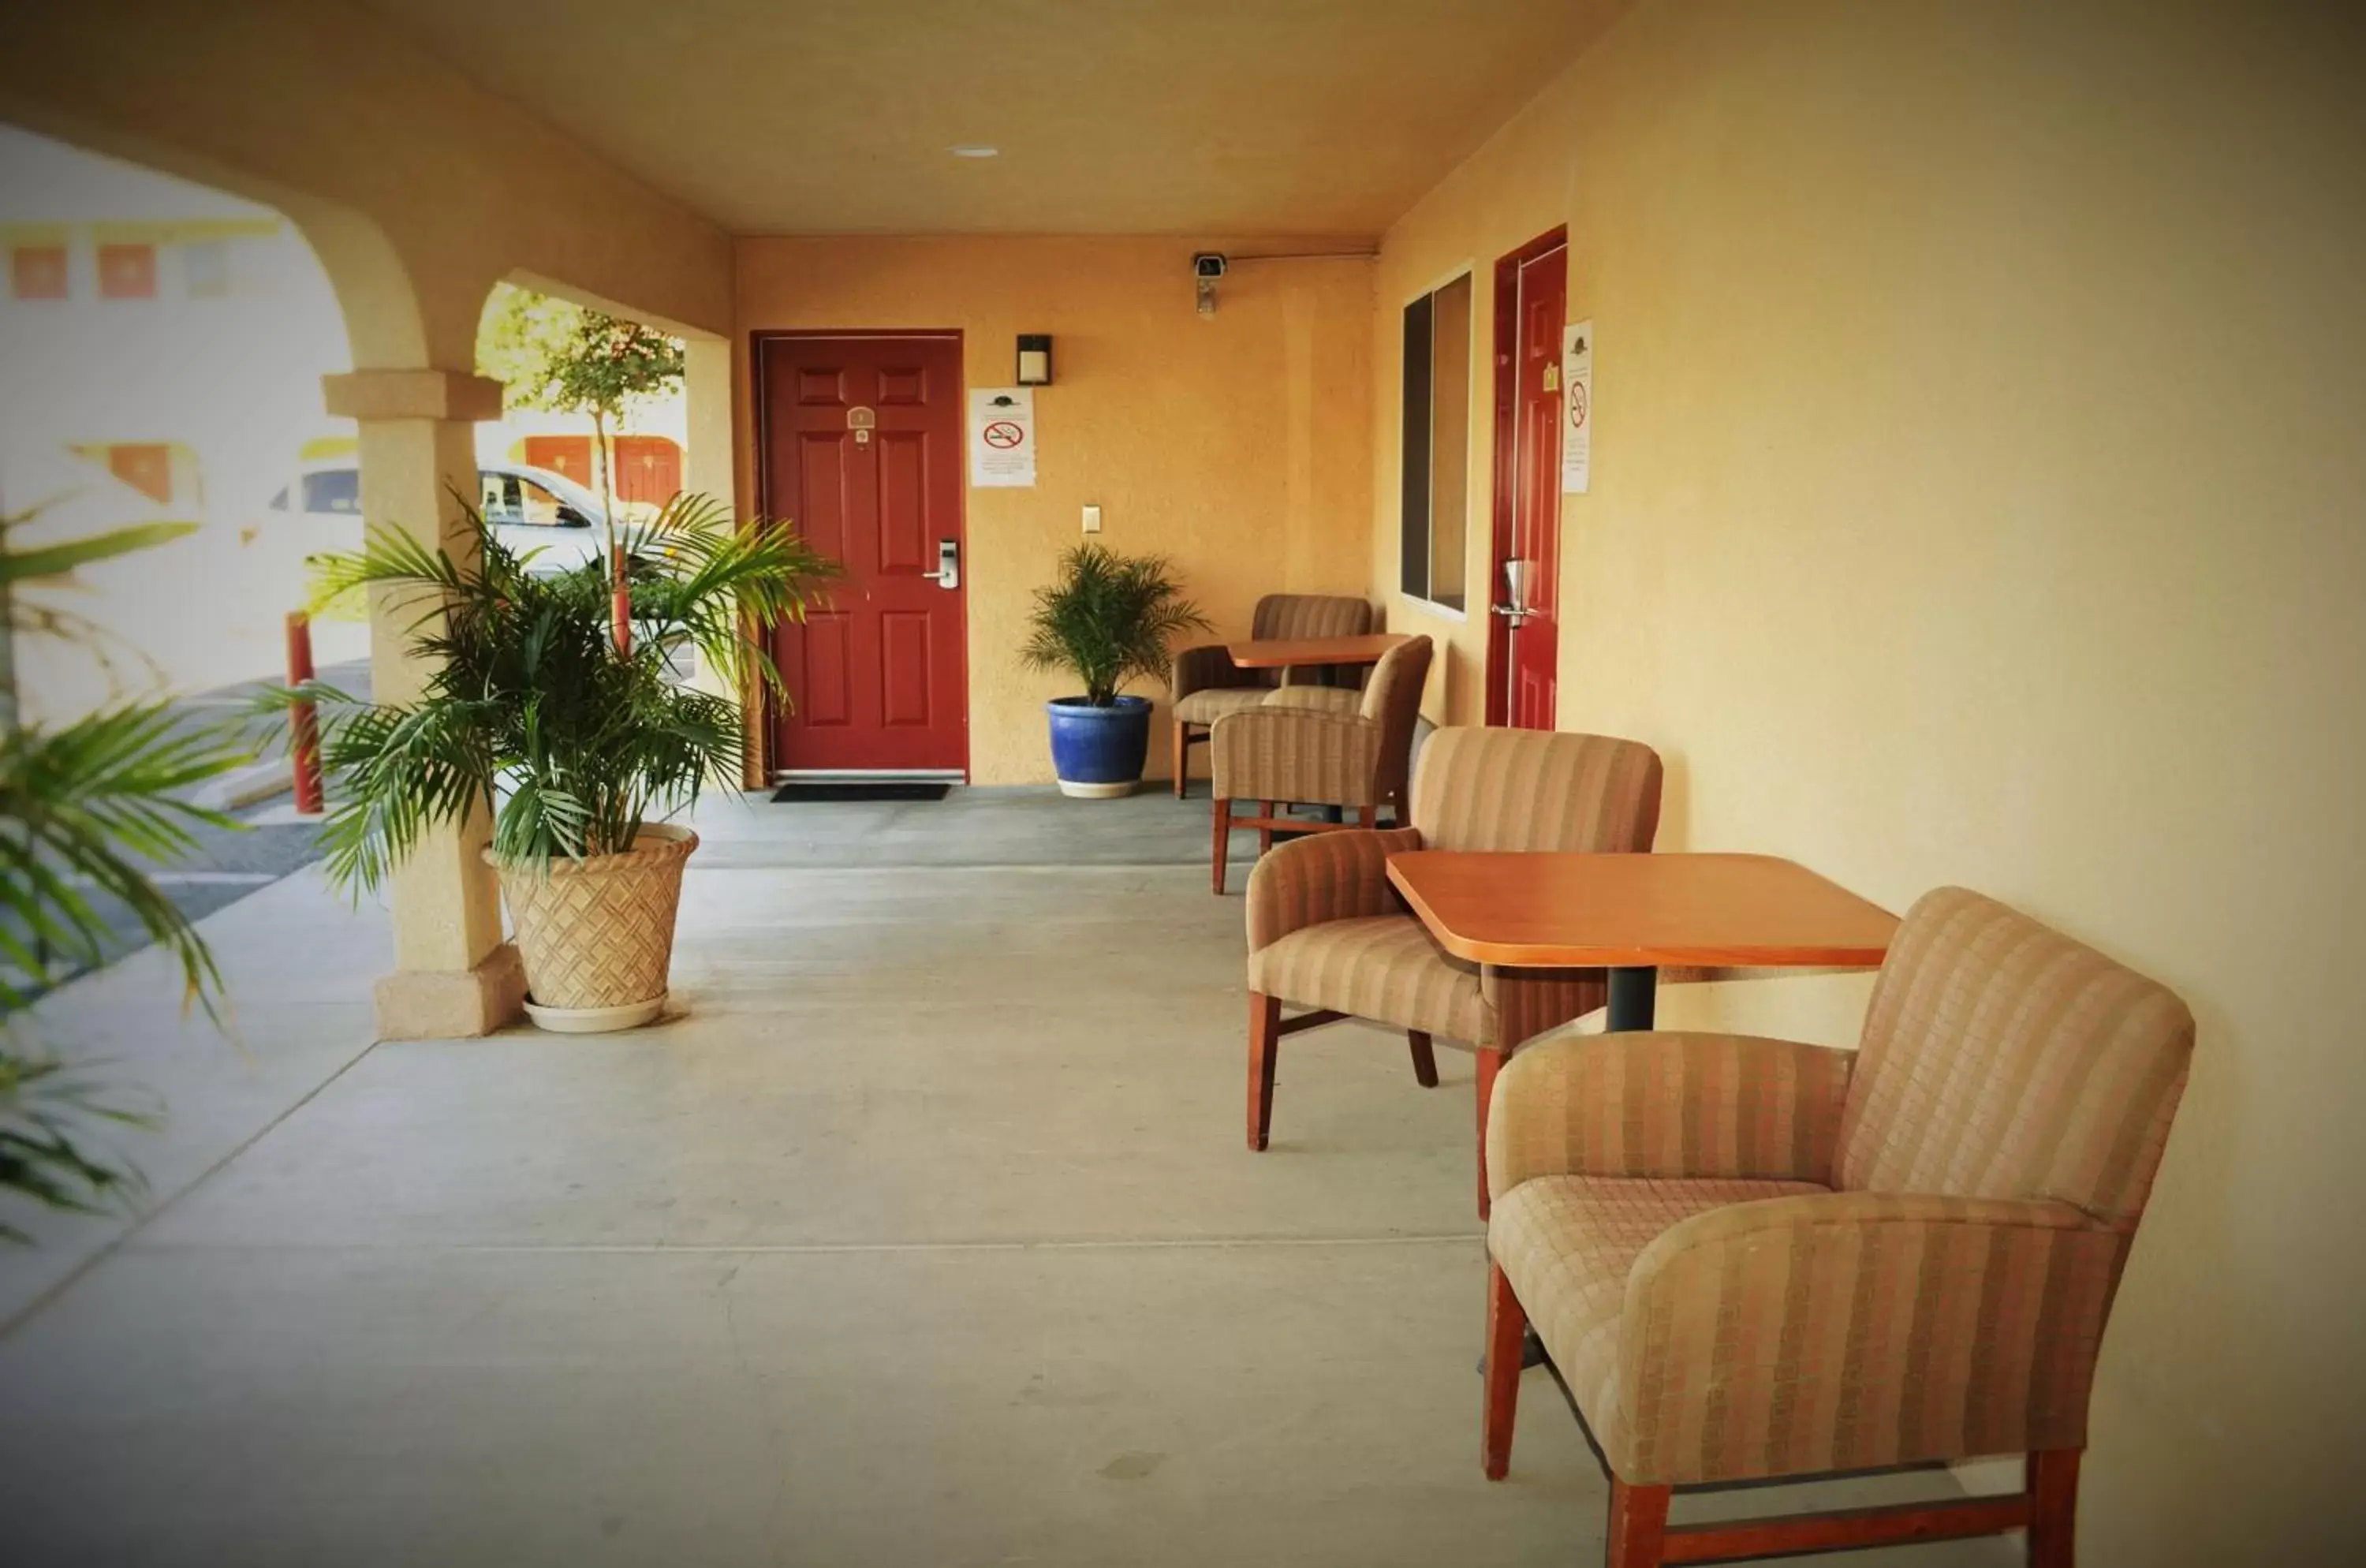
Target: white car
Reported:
point(530, 509)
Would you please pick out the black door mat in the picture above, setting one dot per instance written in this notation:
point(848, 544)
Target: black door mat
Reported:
point(885, 789)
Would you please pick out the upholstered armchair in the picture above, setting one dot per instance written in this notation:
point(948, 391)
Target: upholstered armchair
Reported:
point(1207, 684)
point(1752, 1259)
point(1320, 746)
point(1328, 933)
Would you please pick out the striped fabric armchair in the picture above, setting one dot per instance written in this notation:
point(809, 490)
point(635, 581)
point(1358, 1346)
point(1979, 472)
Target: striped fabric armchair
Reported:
point(1320, 746)
point(1207, 684)
point(1328, 933)
point(1752, 1258)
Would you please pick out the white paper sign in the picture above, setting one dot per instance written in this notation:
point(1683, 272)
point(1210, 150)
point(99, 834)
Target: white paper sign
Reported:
point(1577, 407)
point(1002, 436)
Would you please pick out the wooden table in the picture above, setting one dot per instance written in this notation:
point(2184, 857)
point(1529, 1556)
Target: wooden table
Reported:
point(1631, 914)
point(1282, 653)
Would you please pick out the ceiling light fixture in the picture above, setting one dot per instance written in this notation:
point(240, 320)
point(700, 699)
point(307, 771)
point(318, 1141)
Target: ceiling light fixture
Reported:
point(977, 152)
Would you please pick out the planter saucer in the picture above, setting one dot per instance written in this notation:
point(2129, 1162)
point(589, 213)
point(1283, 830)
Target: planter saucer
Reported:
point(1071, 788)
point(596, 1020)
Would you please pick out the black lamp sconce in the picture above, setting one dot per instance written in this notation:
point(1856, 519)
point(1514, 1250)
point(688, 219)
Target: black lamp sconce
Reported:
point(1034, 360)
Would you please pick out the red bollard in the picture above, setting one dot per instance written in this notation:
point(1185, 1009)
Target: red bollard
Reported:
point(303, 723)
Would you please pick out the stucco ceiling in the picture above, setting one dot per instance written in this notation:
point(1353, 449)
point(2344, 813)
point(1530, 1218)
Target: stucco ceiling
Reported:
point(1144, 116)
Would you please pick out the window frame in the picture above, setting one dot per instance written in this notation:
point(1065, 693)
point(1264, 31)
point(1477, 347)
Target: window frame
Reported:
point(1467, 274)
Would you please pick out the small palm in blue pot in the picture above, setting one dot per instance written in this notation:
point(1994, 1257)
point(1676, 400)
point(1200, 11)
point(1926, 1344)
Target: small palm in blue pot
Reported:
point(1107, 620)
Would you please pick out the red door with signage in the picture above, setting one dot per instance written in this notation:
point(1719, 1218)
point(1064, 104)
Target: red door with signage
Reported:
point(863, 451)
point(1524, 638)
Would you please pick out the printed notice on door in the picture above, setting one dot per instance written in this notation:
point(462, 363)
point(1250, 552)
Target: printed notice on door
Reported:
point(1577, 407)
point(1002, 436)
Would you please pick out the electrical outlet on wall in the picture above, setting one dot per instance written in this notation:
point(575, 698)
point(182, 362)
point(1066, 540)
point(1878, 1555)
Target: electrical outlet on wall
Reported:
point(1092, 519)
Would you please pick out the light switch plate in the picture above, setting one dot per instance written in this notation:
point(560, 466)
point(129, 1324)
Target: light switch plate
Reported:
point(1092, 519)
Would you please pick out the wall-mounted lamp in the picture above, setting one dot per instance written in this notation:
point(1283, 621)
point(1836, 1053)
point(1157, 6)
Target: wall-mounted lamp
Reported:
point(1034, 360)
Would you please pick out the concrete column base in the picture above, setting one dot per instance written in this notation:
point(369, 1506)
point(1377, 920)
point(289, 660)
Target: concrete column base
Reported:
point(452, 1004)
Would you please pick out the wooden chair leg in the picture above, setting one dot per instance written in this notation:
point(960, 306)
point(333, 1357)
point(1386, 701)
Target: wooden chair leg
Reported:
point(1182, 756)
point(1639, 1525)
point(1424, 1062)
point(1508, 1324)
point(1265, 1045)
point(1221, 810)
point(2053, 1507)
point(1491, 1061)
point(1265, 835)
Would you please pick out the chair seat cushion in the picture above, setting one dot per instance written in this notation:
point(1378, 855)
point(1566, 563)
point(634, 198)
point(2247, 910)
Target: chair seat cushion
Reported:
point(1566, 1244)
point(1212, 703)
point(1339, 700)
point(1385, 968)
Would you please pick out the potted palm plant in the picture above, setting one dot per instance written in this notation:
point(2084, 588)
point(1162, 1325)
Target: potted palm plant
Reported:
point(564, 725)
point(1107, 620)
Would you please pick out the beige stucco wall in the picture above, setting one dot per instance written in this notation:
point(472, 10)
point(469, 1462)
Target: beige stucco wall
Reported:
point(1236, 444)
point(1976, 500)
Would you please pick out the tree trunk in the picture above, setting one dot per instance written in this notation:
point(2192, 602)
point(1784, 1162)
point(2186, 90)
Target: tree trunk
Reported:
point(620, 593)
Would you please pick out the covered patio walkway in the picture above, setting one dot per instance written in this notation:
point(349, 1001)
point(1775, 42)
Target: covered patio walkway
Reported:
point(924, 1235)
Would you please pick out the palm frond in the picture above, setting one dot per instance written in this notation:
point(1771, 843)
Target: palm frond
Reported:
point(1110, 618)
point(531, 713)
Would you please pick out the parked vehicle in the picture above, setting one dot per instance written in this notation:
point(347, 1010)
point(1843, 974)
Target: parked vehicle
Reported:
point(532, 511)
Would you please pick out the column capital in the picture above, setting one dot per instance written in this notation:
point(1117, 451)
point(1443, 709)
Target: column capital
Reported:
point(413, 394)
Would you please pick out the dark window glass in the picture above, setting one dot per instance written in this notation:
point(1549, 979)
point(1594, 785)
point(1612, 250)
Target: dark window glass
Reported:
point(333, 489)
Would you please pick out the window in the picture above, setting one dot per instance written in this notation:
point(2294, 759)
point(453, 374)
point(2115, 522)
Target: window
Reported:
point(38, 272)
point(1437, 447)
point(127, 272)
point(539, 507)
point(205, 269)
point(336, 491)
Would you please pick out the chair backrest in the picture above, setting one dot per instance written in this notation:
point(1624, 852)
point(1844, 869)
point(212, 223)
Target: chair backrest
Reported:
point(1286, 616)
point(1536, 789)
point(2002, 1059)
point(1392, 701)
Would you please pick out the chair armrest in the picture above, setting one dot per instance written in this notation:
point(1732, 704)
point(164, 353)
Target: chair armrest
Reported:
point(1295, 755)
point(1200, 668)
point(1652, 1103)
point(1321, 878)
point(1848, 1330)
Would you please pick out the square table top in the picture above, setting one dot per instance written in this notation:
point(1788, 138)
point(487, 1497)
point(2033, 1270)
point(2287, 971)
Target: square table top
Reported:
point(1634, 910)
point(1279, 653)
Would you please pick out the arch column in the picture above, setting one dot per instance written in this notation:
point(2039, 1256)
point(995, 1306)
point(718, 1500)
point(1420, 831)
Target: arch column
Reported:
point(453, 976)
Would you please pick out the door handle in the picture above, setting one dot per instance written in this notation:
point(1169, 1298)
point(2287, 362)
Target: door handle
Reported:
point(947, 572)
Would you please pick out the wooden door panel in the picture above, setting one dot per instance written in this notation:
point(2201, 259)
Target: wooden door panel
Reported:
point(906, 543)
point(881, 682)
point(904, 669)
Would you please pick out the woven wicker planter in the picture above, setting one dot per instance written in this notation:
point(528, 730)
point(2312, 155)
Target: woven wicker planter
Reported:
point(597, 934)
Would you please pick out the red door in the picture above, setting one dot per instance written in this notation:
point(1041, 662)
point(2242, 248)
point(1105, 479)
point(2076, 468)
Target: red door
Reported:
point(1524, 643)
point(567, 455)
point(649, 468)
point(862, 451)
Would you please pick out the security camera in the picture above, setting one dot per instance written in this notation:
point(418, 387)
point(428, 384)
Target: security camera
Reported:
point(1207, 266)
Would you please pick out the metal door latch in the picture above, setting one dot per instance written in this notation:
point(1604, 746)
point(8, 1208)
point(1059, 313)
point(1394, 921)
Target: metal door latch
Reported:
point(947, 572)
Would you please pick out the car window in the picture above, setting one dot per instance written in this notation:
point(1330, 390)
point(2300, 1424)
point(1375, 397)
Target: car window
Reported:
point(333, 489)
point(499, 499)
point(542, 509)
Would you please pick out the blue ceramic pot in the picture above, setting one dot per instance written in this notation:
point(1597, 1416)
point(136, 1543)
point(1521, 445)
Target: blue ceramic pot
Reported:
point(1099, 752)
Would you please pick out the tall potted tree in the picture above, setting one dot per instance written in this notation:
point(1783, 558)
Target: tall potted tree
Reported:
point(568, 358)
point(574, 742)
point(1107, 620)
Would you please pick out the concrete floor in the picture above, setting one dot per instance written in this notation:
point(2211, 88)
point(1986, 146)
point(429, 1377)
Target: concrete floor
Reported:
point(924, 1235)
